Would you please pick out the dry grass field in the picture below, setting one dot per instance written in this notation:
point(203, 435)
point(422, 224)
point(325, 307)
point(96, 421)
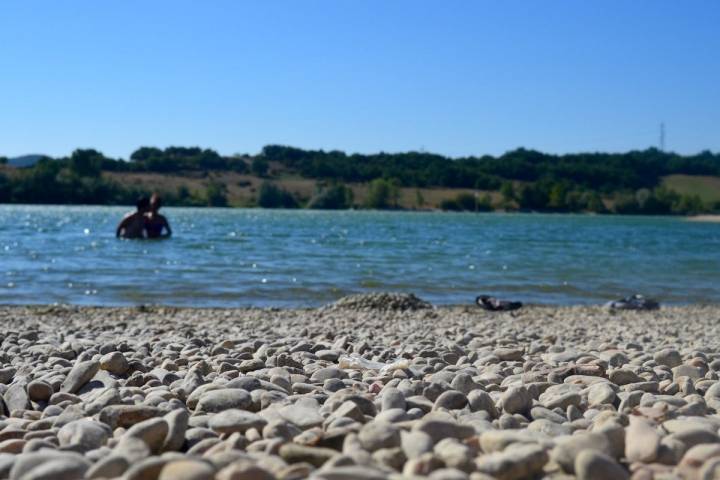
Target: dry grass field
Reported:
point(708, 188)
point(242, 190)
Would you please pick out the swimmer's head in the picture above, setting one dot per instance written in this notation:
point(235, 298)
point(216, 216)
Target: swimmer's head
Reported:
point(155, 202)
point(143, 203)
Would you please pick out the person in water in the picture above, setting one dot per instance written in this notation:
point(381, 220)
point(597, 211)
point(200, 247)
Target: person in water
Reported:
point(154, 222)
point(133, 223)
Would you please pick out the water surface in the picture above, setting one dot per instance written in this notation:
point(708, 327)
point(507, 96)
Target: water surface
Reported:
point(243, 257)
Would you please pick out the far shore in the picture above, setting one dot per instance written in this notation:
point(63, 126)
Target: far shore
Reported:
point(693, 218)
point(705, 218)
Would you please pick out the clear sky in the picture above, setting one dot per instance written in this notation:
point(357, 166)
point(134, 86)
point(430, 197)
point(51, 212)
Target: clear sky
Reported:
point(448, 76)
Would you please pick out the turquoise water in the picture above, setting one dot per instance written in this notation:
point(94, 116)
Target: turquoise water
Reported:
point(228, 257)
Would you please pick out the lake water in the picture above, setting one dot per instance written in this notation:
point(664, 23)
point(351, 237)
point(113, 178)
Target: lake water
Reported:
point(234, 257)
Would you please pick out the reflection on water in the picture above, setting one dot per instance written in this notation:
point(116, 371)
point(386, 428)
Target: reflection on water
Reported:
point(224, 257)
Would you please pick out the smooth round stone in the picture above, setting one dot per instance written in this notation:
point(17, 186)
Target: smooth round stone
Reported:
point(333, 385)
point(463, 383)
point(623, 376)
point(509, 422)
point(376, 435)
point(415, 443)
point(568, 448)
point(686, 371)
point(695, 457)
point(108, 467)
point(177, 421)
point(244, 469)
point(560, 396)
point(515, 463)
point(234, 420)
point(304, 416)
point(319, 376)
point(39, 391)
point(328, 355)
point(245, 383)
point(595, 465)
point(187, 470)
point(549, 428)
point(86, 433)
point(49, 465)
point(392, 415)
point(223, 399)
point(509, 354)
point(642, 441)
point(451, 400)
point(80, 374)
point(393, 398)
point(668, 357)
point(481, 401)
point(516, 400)
point(115, 363)
point(601, 394)
point(280, 429)
point(152, 432)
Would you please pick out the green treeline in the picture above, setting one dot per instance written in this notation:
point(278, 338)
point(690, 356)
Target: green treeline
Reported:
point(603, 172)
point(78, 179)
point(626, 183)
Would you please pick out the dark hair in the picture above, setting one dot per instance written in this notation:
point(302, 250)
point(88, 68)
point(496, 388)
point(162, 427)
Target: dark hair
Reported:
point(142, 203)
point(156, 200)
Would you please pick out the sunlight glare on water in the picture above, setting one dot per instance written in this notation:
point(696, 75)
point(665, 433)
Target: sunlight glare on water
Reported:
point(237, 257)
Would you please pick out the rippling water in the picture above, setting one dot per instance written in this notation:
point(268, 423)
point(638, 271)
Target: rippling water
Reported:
point(231, 257)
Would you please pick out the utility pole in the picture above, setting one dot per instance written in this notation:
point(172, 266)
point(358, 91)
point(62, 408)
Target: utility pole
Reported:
point(662, 136)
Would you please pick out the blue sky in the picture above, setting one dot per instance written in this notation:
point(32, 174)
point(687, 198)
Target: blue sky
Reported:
point(453, 77)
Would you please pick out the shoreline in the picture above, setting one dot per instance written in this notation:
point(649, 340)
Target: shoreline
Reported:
point(441, 309)
point(709, 217)
point(704, 218)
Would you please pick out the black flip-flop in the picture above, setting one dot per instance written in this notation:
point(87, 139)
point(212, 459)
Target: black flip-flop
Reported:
point(492, 304)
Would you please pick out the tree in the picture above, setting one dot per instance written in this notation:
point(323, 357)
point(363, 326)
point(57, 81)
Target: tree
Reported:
point(450, 204)
point(272, 196)
point(86, 163)
point(143, 154)
point(5, 189)
point(594, 203)
point(332, 198)
point(419, 199)
point(216, 194)
point(507, 190)
point(689, 205)
point(534, 197)
point(183, 193)
point(382, 194)
point(484, 204)
point(466, 201)
point(556, 197)
point(260, 166)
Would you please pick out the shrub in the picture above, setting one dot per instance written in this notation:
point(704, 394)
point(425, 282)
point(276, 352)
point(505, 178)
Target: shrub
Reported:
point(272, 196)
point(382, 194)
point(336, 197)
point(468, 202)
point(260, 166)
point(216, 194)
point(450, 204)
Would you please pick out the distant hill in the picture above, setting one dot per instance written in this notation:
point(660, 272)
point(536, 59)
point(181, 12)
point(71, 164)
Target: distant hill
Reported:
point(650, 181)
point(25, 160)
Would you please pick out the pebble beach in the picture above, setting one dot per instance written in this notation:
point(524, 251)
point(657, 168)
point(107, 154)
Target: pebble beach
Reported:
point(371, 387)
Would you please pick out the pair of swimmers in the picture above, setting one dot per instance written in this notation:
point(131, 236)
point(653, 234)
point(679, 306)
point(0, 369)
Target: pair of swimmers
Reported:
point(145, 222)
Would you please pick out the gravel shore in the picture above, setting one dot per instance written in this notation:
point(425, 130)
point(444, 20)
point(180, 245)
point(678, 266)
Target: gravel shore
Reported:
point(369, 388)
